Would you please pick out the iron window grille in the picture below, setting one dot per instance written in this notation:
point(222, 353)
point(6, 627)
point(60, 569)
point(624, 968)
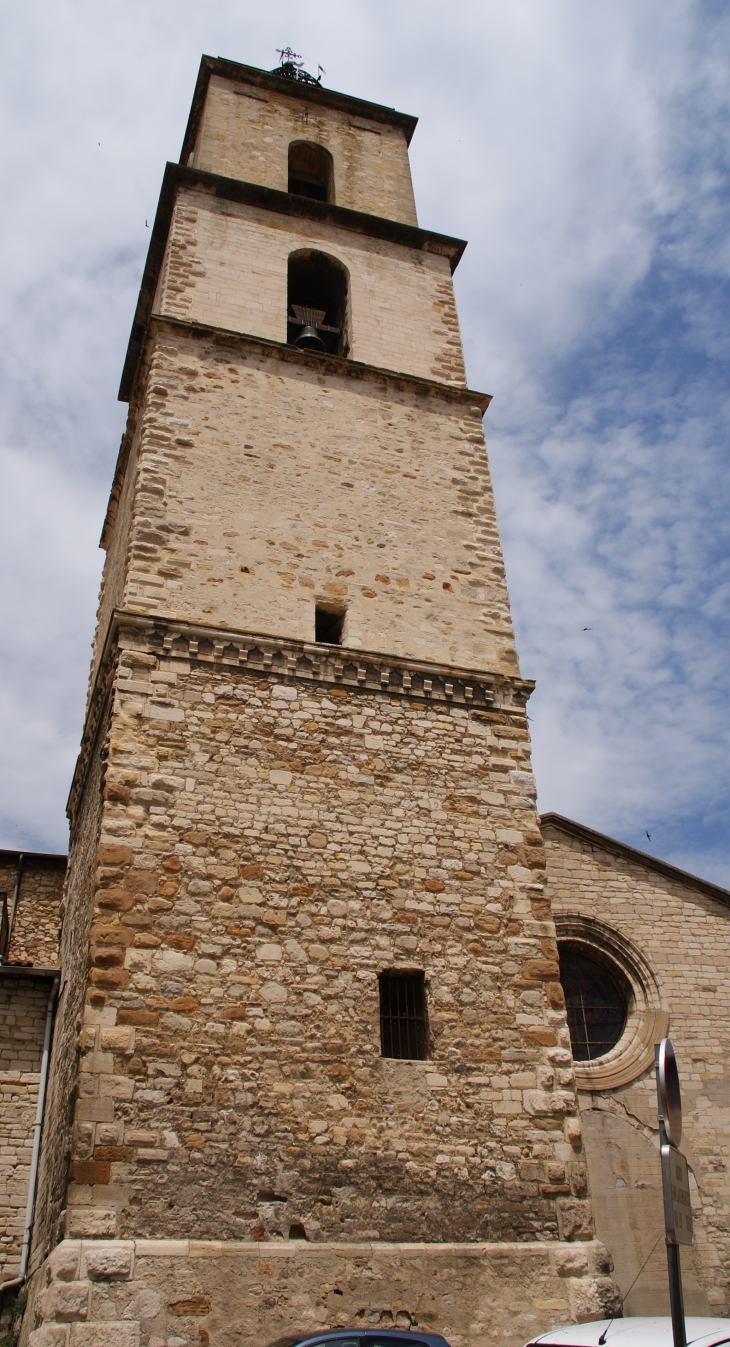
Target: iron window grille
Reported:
point(595, 1003)
point(403, 1025)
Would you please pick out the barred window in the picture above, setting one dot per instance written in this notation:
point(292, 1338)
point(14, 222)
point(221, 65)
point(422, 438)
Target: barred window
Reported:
point(403, 1028)
point(595, 1001)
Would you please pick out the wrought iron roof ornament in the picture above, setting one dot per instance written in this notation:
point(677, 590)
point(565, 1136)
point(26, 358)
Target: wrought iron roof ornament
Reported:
point(292, 67)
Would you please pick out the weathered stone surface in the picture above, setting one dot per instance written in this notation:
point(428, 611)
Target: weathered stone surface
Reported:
point(49, 1335)
point(105, 1335)
point(247, 135)
point(408, 543)
point(262, 825)
point(38, 912)
point(276, 1003)
point(66, 1301)
point(104, 1261)
point(682, 930)
point(90, 1222)
point(22, 1020)
point(465, 1291)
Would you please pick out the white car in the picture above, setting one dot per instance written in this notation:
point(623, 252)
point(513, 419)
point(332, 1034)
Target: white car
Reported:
point(636, 1331)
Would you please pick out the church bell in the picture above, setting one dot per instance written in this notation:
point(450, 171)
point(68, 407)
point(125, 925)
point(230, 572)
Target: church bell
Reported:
point(310, 340)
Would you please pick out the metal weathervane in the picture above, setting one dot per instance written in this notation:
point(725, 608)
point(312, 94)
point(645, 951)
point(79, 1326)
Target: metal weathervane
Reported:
point(291, 67)
point(675, 1181)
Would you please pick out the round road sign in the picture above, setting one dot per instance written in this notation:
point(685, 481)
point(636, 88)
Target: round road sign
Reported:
point(670, 1100)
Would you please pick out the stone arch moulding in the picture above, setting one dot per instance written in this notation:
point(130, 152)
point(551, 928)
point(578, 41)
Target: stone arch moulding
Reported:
point(647, 1019)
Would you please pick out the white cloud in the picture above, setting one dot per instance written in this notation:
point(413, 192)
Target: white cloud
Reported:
point(582, 149)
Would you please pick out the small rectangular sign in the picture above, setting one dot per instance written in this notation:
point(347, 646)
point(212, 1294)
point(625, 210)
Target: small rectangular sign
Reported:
point(677, 1207)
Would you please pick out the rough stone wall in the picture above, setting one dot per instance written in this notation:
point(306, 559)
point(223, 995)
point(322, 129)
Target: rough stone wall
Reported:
point(95, 1293)
point(246, 132)
point(63, 1074)
point(38, 914)
point(23, 1005)
point(685, 934)
point(263, 486)
point(127, 492)
point(267, 848)
point(226, 265)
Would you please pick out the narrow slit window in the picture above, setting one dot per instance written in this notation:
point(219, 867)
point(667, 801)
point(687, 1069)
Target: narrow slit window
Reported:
point(403, 1027)
point(329, 625)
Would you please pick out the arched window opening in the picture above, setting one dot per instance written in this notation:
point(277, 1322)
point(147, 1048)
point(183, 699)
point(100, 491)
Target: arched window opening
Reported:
point(311, 171)
point(317, 303)
point(596, 1001)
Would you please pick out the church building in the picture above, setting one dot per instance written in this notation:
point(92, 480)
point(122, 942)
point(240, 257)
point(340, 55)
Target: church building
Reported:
point(311, 1061)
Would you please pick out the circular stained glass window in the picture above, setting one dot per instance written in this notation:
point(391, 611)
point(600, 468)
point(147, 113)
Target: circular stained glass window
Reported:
point(595, 1003)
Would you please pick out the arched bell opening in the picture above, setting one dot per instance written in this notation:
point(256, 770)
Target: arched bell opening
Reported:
point(311, 171)
point(317, 303)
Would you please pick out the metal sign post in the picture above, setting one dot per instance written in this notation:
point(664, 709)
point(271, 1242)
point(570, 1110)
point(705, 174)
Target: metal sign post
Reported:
point(675, 1181)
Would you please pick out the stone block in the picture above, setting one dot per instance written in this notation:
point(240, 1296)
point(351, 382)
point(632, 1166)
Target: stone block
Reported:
point(66, 1301)
point(90, 1222)
point(146, 1303)
point(90, 1171)
point(49, 1335)
point(110, 1334)
point(109, 1262)
point(594, 1298)
point(64, 1262)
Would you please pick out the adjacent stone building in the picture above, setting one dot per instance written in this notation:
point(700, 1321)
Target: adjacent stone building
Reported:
point(661, 939)
point(31, 887)
point(311, 1059)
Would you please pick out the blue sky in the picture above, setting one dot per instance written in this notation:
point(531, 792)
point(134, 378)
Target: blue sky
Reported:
point(583, 151)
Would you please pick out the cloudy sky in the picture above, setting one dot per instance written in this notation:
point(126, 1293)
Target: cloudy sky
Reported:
point(582, 148)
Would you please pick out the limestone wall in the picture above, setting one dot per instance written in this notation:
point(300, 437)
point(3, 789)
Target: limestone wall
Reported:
point(685, 935)
point(74, 959)
point(23, 1003)
point(133, 1293)
point(246, 132)
point(268, 846)
point(38, 914)
point(261, 488)
point(126, 491)
point(226, 265)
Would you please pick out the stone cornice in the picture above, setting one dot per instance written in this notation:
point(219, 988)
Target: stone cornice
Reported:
point(277, 84)
point(226, 650)
point(266, 198)
point(336, 365)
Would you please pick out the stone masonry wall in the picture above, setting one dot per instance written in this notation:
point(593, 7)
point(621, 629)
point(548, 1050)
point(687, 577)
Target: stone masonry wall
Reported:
point(268, 847)
point(245, 133)
point(226, 265)
point(263, 486)
point(146, 1293)
point(685, 934)
point(23, 1004)
point(38, 914)
point(127, 492)
point(63, 1073)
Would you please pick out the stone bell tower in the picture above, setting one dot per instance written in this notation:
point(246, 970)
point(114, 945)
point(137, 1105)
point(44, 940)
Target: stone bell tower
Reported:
point(325, 1074)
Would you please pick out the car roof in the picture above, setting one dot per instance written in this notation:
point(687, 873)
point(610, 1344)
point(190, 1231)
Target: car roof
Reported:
point(415, 1335)
point(635, 1331)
